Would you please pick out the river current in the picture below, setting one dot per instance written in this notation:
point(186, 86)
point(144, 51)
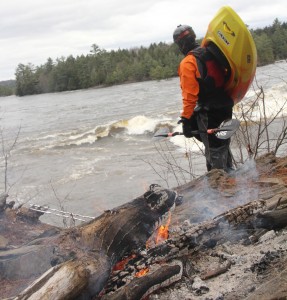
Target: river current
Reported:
point(90, 150)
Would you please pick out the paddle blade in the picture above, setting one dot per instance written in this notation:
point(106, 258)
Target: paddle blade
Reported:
point(227, 129)
point(161, 134)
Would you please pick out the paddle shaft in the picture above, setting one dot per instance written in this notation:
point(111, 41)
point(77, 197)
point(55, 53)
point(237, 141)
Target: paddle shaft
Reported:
point(208, 131)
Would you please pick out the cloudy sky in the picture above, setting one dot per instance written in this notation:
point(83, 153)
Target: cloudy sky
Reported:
point(33, 30)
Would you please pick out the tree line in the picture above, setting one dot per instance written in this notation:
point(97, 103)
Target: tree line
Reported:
point(103, 68)
point(98, 68)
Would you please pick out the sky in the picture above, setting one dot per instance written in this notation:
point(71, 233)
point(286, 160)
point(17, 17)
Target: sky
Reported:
point(31, 31)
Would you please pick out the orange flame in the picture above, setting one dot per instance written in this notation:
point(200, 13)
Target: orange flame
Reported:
point(160, 235)
point(142, 272)
point(121, 264)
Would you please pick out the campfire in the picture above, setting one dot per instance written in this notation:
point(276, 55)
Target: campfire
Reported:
point(131, 266)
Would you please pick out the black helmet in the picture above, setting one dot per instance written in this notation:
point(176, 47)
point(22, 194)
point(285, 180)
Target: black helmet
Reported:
point(184, 37)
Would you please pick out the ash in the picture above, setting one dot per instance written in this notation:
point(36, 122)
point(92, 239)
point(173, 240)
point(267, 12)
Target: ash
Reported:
point(253, 269)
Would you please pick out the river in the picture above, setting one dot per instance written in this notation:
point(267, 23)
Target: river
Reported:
point(90, 150)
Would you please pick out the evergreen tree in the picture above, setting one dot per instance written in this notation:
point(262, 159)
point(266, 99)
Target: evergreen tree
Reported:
point(26, 81)
point(264, 49)
point(279, 40)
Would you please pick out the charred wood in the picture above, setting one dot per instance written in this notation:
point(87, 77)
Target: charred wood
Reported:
point(274, 219)
point(233, 225)
point(139, 287)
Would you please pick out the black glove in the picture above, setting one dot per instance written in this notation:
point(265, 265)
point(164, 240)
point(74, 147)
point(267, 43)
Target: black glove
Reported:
point(186, 127)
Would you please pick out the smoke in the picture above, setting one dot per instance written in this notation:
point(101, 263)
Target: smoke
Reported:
point(244, 178)
point(202, 202)
point(217, 192)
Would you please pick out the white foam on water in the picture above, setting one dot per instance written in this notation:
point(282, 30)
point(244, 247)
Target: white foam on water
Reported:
point(272, 80)
point(275, 100)
point(142, 124)
point(138, 125)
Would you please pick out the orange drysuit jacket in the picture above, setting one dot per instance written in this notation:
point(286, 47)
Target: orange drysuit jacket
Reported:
point(188, 72)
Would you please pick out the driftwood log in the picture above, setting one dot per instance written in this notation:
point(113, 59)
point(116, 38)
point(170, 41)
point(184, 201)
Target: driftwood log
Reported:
point(77, 262)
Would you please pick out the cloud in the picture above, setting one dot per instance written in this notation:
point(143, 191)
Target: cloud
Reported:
point(32, 31)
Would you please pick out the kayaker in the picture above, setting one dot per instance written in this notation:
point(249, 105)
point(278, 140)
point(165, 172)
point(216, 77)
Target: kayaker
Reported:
point(205, 103)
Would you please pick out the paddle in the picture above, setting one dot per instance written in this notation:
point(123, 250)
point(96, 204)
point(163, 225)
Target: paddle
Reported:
point(226, 129)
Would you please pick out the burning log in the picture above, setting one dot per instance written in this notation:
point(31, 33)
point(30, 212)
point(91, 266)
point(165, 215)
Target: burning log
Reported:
point(82, 257)
point(143, 285)
point(232, 225)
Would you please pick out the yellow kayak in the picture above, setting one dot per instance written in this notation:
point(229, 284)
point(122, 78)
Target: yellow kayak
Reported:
point(228, 32)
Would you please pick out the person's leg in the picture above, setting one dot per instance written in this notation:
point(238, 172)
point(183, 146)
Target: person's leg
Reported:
point(219, 157)
point(219, 152)
point(202, 122)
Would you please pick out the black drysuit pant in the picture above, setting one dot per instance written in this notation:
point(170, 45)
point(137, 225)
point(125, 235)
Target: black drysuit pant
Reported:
point(217, 150)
